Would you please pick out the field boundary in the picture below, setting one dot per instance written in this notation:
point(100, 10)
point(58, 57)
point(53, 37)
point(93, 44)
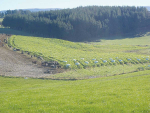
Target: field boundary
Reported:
point(90, 81)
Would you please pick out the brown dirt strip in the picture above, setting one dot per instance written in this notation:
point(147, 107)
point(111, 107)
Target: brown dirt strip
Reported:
point(16, 64)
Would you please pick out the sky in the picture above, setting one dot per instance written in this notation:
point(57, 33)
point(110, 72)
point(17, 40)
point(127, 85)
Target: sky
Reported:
point(26, 4)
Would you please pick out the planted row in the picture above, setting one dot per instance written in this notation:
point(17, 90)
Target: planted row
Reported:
point(82, 63)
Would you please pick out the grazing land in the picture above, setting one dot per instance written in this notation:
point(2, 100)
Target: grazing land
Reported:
point(122, 93)
point(88, 60)
point(111, 90)
point(108, 75)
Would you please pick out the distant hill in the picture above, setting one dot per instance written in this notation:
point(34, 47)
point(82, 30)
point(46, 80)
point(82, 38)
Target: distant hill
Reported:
point(35, 9)
point(47, 9)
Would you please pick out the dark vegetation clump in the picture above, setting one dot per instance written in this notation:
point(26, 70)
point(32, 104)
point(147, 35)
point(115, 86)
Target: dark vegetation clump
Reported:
point(82, 23)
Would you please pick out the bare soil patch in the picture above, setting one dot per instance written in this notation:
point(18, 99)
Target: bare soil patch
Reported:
point(14, 63)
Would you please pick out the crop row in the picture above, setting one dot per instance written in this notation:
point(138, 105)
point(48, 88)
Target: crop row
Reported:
point(85, 63)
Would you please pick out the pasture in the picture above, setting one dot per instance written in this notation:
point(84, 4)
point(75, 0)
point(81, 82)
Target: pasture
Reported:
point(103, 86)
point(88, 60)
point(122, 93)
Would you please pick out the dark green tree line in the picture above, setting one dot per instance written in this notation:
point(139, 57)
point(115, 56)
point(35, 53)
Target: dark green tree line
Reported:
point(82, 23)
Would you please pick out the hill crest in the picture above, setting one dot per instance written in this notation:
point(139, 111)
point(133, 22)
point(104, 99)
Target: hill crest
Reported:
point(35, 9)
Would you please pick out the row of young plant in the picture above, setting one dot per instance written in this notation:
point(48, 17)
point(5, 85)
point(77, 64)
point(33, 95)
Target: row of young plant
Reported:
point(97, 62)
point(71, 57)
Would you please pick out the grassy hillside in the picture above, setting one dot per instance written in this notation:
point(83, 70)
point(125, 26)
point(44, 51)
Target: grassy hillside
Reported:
point(61, 50)
point(143, 40)
point(123, 93)
point(86, 60)
point(110, 93)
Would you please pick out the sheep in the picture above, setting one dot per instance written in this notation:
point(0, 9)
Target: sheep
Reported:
point(104, 61)
point(68, 65)
point(120, 60)
point(138, 59)
point(96, 62)
point(86, 62)
point(77, 63)
point(112, 60)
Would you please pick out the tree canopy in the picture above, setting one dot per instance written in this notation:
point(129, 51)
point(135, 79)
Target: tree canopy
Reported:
point(82, 23)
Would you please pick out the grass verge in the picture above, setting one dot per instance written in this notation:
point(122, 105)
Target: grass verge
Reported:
point(122, 93)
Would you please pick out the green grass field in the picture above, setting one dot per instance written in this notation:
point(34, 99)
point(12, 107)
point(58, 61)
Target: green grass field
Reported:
point(116, 94)
point(103, 87)
point(86, 55)
point(120, 55)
